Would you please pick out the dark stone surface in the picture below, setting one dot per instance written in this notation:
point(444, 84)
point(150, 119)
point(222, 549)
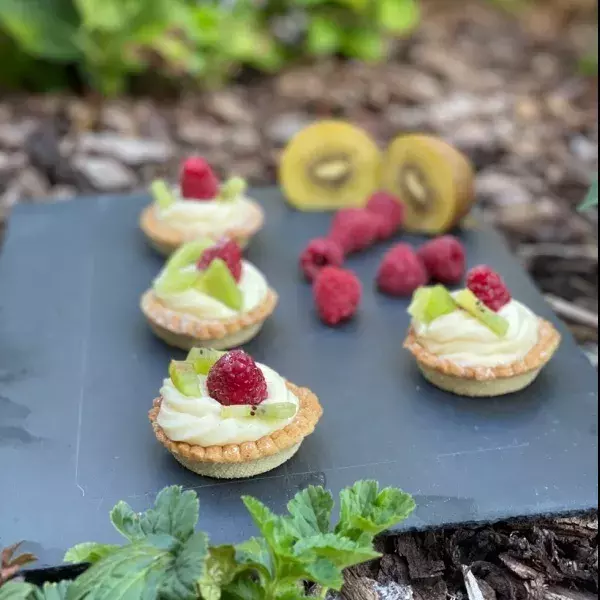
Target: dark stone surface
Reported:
point(79, 369)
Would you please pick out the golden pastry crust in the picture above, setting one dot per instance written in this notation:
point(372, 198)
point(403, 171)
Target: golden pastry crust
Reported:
point(538, 357)
point(205, 329)
point(309, 413)
point(167, 239)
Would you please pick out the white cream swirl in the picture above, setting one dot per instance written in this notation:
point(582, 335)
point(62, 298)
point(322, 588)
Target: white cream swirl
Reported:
point(465, 341)
point(252, 284)
point(198, 421)
point(205, 217)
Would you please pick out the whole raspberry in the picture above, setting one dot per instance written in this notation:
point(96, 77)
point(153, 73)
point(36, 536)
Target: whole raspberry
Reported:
point(391, 213)
point(489, 287)
point(354, 229)
point(227, 250)
point(320, 252)
point(236, 379)
point(198, 181)
point(445, 259)
point(337, 293)
point(401, 271)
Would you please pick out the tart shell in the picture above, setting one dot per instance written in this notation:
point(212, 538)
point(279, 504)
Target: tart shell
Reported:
point(186, 331)
point(166, 239)
point(485, 382)
point(249, 458)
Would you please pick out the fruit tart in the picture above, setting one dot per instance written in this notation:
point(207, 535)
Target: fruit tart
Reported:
point(223, 415)
point(207, 295)
point(478, 342)
point(199, 207)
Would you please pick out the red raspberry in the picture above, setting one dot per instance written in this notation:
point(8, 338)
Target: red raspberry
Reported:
point(198, 181)
point(319, 253)
point(401, 271)
point(236, 379)
point(354, 229)
point(391, 213)
point(337, 294)
point(489, 287)
point(445, 259)
point(227, 250)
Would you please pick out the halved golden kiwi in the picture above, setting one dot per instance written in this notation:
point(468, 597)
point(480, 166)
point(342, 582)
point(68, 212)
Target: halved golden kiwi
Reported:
point(433, 179)
point(330, 165)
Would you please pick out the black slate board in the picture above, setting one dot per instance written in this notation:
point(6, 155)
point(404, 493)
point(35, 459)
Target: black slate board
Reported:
point(79, 369)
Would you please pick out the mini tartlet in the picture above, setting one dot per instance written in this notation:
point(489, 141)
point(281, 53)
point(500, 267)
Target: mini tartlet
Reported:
point(465, 347)
point(207, 295)
point(222, 415)
point(199, 207)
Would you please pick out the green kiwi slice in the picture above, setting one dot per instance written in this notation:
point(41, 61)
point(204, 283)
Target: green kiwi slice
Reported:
point(203, 359)
point(431, 303)
point(469, 302)
point(174, 282)
point(275, 411)
point(218, 282)
point(188, 254)
point(184, 378)
point(162, 194)
point(233, 188)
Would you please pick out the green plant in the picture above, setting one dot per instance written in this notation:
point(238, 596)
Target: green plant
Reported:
point(591, 200)
point(166, 559)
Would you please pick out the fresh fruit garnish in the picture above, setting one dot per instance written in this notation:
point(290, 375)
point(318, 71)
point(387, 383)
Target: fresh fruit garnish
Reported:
point(337, 293)
point(401, 271)
point(188, 254)
point(469, 302)
point(236, 379)
point(232, 189)
point(198, 181)
point(355, 229)
point(275, 411)
point(431, 303)
point(434, 180)
point(489, 287)
point(184, 378)
point(162, 194)
point(391, 212)
point(203, 359)
point(320, 253)
point(445, 259)
point(329, 165)
point(174, 282)
point(227, 250)
point(218, 282)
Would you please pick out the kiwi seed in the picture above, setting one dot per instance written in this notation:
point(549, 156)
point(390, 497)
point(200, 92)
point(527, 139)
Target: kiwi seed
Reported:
point(415, 188)
point(332, 171)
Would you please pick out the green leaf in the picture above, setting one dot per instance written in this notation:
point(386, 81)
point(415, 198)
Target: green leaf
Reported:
point(126, 522)
point(15, 590)
point(365, 44)
point(342, 552)
point(106, 15)
point(89, 552)
point(324, 36)
point(255, 553)
point(243, 588)
point(326, 574)
point(221, 569)
point(311, 511)
point(398, 16)
point(591, 200)
point(364, 509)
point(276, 530)
point(53, 591)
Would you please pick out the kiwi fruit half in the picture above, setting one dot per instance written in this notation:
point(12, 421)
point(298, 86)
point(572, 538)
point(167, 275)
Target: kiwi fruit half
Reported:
point(431, 303)
point(434, 180)
point(469, 302)
point(330, 165)
point(276, 410)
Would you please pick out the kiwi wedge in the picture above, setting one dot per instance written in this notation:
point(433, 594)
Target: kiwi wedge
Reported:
point(330, 165)
point(188, 254)
point(162, 194)
point(203, 359)
point(275, 411)
point(218, 282)
point(184, 378)
point(434, 180)
point(174, 282)
point(469, 302)
point(431, 303)
point(233, 188)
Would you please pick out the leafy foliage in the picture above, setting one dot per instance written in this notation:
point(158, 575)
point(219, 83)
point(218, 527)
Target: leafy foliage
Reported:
point(114, 40)
point(164, 558)
point(591, 200)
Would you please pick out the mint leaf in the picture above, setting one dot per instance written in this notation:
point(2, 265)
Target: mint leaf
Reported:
point(53, 591)
point(89, 552)
point(15, 590)
point(591, 200)
point(255, 554)
point(326, 574)
point(187, 569)
point(342, 552)
point(311, 511)
point(243, 588)
point(276, 530)
point(221, 568)
point(364, 509)
point(126, 522)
